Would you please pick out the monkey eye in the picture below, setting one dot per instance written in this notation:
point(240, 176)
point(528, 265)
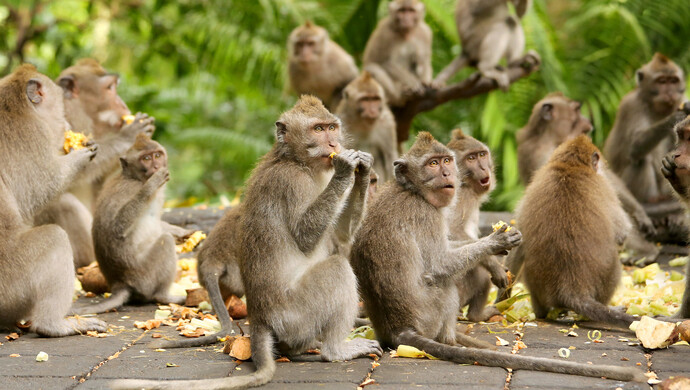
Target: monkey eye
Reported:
point(471, 157)
point(318, 128)
point(447, 160)
point(482, 154)
point(147, 157)
point(331, 127)
point(157, 155)
point(433, 163)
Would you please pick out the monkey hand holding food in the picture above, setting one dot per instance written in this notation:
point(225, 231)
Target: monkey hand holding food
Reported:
point(503, 239)
point(135, 124)
point(345, 163)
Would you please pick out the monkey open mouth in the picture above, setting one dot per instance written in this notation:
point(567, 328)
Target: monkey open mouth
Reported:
point(485, 181)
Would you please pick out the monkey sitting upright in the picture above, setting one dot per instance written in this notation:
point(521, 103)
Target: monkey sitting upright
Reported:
point(488, 33)
point(572, 223)
point(370, 122)
point(676, 169)
point(406, 266)
point(37, 278)
point(317, 65)
point(476, 171)
point(134, 248)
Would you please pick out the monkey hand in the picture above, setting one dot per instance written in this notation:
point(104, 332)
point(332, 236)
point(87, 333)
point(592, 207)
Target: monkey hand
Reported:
point(142, 123)
point(685, 108)
point(83, 156)
point(499, 277)
point(668, 169)
point(504, 240)
point(159, 178)
point(345, 162)
point(366, 160)
point(644, 224)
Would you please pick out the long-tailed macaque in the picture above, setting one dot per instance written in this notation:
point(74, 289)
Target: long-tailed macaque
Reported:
point(398, 53)
point(93, 107)
point(643, 131)
point(37, 275)
point(488, 33)
point(406, 266)
point(556, 119)
point(135, 250)
point(317, 65)
point(476, 171)
point(370, 122)
point(676, 169)
point(572, 223)
point(298, 294)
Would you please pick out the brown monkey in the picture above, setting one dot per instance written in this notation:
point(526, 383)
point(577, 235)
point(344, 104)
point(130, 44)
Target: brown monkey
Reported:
point(572, 222)
point(37, 276)
point(407, 274)
point(370, 122)
point(556, 119)
point(317, 65)
point(676, 169)
point(488, 33)
point(92, 106)
point(398, 53)
point(476, 171)
point(643, 131)
point(295, 197)
point(134, 248)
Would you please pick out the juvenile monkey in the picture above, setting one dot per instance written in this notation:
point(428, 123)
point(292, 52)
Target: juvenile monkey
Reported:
point(407, 276)
point(317, 65)
point(476, 175)
point(572, 223)
point(37, 276)
point(134, 248)
point(556, 119)
point(93, 107)
point(676, 169)
point(643, 131)
point(295, 197)
point(488, 33)
point(370, 122)
point(398, 53)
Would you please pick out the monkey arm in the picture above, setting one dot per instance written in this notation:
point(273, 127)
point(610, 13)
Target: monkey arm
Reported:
point(482, 8)
point(402, 75)
point(643, 141)
point(176, 231)
point(630, 204)
point(130, 212)
point(352, 215)
point(109, 150)
point(459, 259)
point(309, 227)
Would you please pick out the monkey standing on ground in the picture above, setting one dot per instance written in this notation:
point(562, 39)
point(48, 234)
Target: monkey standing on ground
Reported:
point(317, 65)
point(297, 294)
point(93, 107)
point(398, 53)
point(134, 248)
point(676, 169)
point(643, 131)
point(407, 276)
point(488, 33)
point(556, 119)
point(37, 275)
point(572, 223)
point(370, 122)
point(476, 175)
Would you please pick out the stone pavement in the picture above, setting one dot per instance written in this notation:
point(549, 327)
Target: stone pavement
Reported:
point(82, 362)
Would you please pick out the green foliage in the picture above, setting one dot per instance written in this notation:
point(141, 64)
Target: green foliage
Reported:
point(213, 72)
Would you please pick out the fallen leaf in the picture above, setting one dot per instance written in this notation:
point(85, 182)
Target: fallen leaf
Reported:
point(15, 355)
point(238, 347)
point(148, 324)
point(12, 336)
point(283, 359)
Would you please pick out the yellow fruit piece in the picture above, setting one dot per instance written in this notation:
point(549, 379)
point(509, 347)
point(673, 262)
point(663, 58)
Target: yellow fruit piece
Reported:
point(412, 352)
point(499, 225)
point(332, 155)
point(191, 242)
point(128, 119)
point(74, 141)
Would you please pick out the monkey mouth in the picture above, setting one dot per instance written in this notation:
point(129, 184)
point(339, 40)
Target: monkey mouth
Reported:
point(448, 187)
point(485, 181)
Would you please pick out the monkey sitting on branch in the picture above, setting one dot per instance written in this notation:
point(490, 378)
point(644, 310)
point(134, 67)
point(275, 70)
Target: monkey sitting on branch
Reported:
point(676, 169)
point(297, 293)
point(317, 65)
point(476, 171)
point(134, 248)
point(37, 265)
point(407, 275)
point(572, 224)
point(488, 33)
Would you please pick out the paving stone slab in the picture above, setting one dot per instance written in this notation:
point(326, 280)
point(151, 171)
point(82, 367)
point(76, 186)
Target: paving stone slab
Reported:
point(56, 366)
point(35, 383)
point(546, 380)
point(353, 371)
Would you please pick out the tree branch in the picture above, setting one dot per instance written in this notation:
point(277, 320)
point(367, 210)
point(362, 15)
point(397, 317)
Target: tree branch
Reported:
point(474, 85)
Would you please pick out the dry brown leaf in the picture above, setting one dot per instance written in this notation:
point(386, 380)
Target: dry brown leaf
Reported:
point(195, 296)
point(92, 279)
point(148, 324)
point(15, 355)
point(684, 329)
point(12, 336)
point(156, 335)
point(193, 333)
point(283, 359)
point(236, 308)
point(238, 347)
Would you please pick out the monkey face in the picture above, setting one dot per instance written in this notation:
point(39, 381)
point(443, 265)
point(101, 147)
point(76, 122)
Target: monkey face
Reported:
point(681, 155)
point(438, 180)
point(152, 161)
point(324, 141)
point(406, 14)
point(308, 49)
point(370, 106)
point(479, 169)
point(667, 92)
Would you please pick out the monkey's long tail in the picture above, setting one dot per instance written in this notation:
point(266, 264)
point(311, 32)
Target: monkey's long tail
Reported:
point(516, 362)
point(262, 355)
point(597, 311)
point(118, 299)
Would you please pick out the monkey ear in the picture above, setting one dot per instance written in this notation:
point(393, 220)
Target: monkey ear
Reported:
point(68, 85)
point(547, 111)
point(595, 161)
point(34, 91)
point(281, 130)
point(400, 169)
point(123, 163)
point(639, 75)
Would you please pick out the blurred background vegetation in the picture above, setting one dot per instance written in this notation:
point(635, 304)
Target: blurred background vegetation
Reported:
point(213, 72)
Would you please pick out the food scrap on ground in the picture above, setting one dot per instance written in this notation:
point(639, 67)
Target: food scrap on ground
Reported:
point(238, 347)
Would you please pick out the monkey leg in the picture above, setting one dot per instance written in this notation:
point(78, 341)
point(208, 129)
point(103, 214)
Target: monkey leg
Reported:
point(493, 48)
point(597, 311)
point(516, 47)
point(119, 297)
point(72, 216)
point(478, 310)
point(326, 294)
point(642, 249)
point(469, 341)
point(46, 260)
point(516, 362)
point(451, 69)
point(161, 262)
